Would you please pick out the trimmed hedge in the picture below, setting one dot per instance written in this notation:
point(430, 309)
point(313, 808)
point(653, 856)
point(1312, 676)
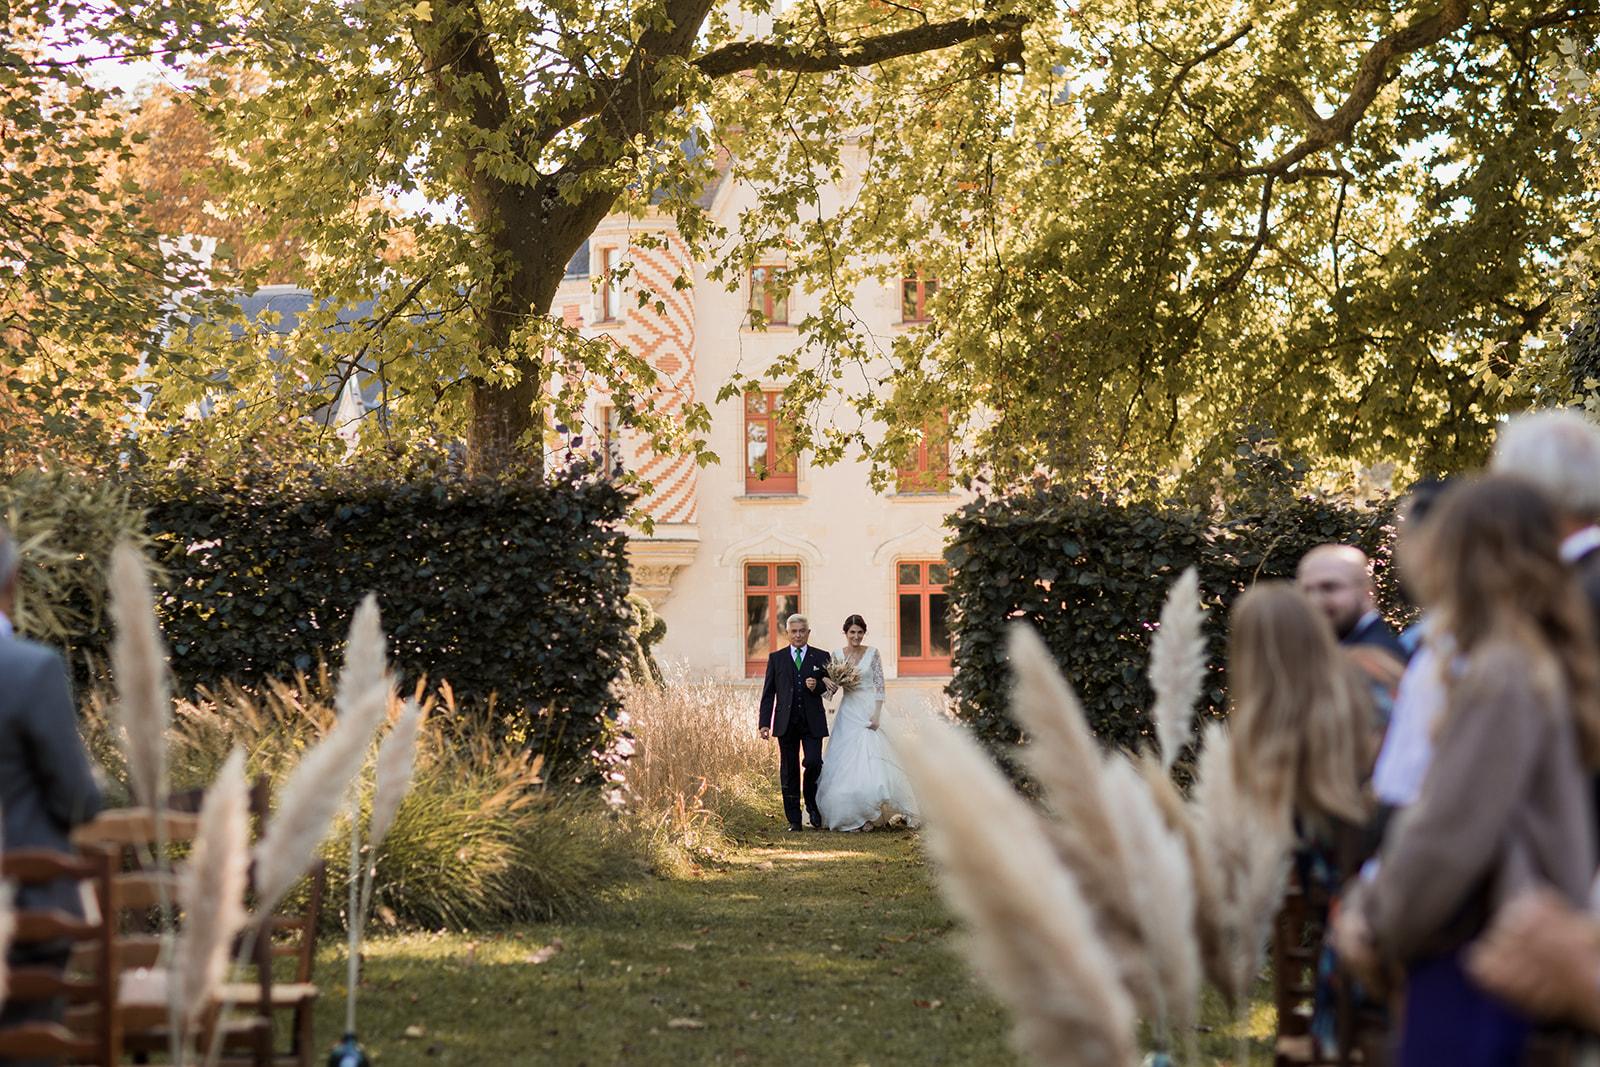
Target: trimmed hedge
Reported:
point(515, 594)
point(1091, 575)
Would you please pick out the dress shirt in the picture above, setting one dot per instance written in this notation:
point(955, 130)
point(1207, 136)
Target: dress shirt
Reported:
point(6, 629)
point(1580, 543)
point(1408, 744)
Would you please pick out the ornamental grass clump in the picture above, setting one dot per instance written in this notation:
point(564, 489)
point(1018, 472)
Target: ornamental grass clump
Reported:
point(696, 762)
point(316, 788)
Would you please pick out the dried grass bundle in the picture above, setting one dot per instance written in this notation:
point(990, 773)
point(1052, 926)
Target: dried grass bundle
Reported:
point(1161, 890)
point(397, 759)
point(211, 887)
point(1244, 846)
point(1178, 665)
point(318, 785)
point(1032, 935)
point(8, 930)
point(1064, 758)
point(139, 665)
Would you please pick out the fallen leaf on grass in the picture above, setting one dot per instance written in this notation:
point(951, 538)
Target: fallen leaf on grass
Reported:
point(547, 953)
point(685, 1024)
point(414, 1032)
point(928, 1003)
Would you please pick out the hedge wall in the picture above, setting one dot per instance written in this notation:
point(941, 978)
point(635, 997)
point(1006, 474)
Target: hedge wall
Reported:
point(515, 594)
point(1091, 576)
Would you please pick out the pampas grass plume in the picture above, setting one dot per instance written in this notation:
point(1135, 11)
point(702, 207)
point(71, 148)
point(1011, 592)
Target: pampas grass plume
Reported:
point(211, 887)
point(1245, 845)
point(1064, 759)
point(1031, 934)
point(318, 785)
point(397, 759)
point(139, 665)
point(1161, 887)
point(1178, 665)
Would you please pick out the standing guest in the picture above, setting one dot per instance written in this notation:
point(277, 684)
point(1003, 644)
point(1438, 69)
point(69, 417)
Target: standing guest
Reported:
point(1299, 712)
point(46, 786)
point(1505, 805)
point(1408, 745)
point(1559, 451)
point(1338, 580)
point(1300, 720)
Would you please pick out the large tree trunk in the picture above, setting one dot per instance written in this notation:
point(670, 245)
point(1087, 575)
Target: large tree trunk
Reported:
point(505, 434)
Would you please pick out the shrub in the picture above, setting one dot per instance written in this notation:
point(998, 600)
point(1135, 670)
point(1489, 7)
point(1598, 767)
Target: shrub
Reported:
point(696, 760)
point(1091, 575)
point(67, 523)
point(479, 841)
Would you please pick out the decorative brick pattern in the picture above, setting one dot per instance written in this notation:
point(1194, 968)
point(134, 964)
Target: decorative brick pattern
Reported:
point(667, 341)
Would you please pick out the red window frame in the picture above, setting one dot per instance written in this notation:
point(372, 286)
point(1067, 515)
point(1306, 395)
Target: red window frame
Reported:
point(776, 471)
point(915, 293)
point(765, 299)
point(771, 595)
point(929, 468)
point(917, 583)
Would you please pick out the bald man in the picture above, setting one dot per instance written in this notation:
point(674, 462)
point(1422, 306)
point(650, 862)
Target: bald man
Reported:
point(1338, 580)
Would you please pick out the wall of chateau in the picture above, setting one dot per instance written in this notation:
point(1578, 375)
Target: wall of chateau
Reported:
point(846, 537)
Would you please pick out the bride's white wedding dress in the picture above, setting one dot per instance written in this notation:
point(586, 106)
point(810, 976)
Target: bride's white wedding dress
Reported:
point(862, 784)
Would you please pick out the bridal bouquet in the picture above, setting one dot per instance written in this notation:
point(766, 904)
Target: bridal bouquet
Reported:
point(843, 675)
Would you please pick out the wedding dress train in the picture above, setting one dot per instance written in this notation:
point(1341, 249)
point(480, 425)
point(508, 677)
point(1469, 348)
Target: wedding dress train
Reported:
point(862, 784)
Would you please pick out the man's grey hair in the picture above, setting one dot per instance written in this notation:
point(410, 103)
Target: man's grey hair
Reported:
point(797, 618)
point(1559, 451)
point(10, 557)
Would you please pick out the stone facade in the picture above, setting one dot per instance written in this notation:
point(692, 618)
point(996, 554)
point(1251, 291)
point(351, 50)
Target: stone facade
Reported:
point(839, 545)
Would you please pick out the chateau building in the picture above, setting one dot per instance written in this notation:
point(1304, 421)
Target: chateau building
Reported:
point(737, 546)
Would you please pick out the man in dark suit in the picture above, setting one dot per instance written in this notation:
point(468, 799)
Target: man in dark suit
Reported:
point(1338, 580)
point(791, 710)
point(46, 786)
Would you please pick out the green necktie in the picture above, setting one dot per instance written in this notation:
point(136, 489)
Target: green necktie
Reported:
point(797, 659)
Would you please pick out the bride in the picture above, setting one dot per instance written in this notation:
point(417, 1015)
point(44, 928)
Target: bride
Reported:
point(862, 785)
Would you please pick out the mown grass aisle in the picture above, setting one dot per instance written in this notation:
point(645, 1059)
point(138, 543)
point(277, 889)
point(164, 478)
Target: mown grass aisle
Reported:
point(820, 947)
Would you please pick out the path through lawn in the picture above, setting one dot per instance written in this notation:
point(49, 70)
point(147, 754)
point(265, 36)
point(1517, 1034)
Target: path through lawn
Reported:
point(811, 948)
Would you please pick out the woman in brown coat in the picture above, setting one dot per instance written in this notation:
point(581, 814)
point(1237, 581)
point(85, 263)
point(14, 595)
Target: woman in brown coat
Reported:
point(1506, 804)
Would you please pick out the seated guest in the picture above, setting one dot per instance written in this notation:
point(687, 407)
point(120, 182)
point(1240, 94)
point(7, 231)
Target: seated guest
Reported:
point(46, 787)
point(1504, 806)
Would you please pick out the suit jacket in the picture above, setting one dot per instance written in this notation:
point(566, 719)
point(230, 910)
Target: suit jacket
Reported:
point(782, 691)
point(46, 786)
point(1374, 631)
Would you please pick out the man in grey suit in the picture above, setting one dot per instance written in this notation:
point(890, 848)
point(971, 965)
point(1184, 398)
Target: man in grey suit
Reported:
point(46, 785)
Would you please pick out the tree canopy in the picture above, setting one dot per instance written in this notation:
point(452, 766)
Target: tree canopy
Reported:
point(1164, 232)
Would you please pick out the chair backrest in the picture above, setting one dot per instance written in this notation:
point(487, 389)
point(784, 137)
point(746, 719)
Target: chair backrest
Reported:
point(49, 981)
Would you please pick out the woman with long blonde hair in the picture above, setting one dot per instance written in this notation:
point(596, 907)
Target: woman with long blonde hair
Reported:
point(1506, 804)
point(1300, 716)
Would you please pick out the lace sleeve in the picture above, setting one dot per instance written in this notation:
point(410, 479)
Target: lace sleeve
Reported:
point(877, 675)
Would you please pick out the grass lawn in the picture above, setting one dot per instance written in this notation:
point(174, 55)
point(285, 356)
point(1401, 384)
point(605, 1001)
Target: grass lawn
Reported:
point(814, 948)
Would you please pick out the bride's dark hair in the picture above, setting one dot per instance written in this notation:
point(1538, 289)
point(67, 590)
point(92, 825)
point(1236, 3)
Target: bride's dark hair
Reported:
point(854, 620)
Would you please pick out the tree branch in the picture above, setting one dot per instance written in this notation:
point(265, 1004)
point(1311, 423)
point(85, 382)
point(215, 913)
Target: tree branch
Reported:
point(1371, 76)
point(748, 55)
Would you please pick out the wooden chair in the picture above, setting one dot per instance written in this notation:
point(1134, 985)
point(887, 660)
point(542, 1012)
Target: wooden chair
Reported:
point(101, 1041)
point(251, 1040)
